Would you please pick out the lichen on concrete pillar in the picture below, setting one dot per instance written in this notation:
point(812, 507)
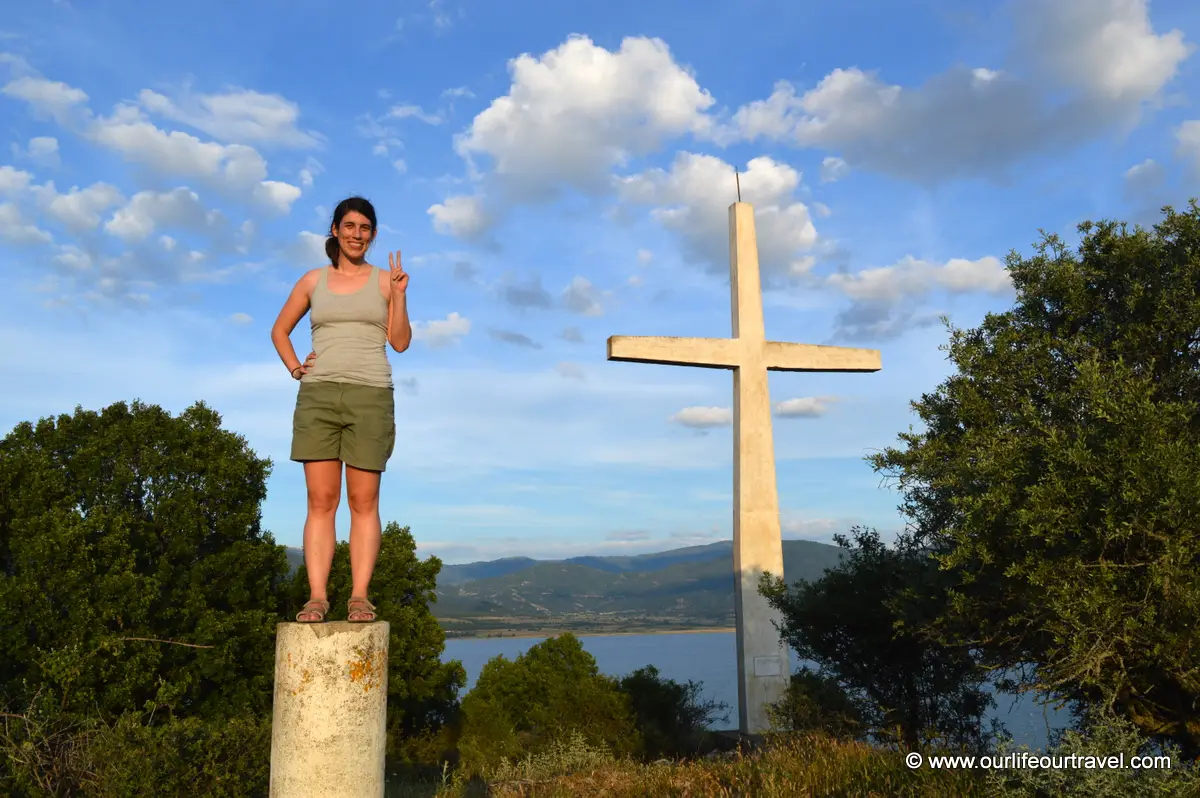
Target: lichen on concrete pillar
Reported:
point(329, 726)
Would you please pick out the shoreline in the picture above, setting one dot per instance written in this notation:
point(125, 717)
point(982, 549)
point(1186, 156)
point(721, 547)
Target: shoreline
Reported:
point(554, 632)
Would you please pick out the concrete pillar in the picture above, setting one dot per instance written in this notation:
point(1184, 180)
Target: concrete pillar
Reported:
point(329, 728)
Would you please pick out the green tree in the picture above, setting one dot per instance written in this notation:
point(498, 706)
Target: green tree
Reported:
point(523, 706)
point(1057, 476)
point(134, 573)
point(422, 690)
point(857, 624)
point(817, 703)
point(671, 717)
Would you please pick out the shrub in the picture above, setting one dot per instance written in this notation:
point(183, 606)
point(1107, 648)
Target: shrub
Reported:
point(522, 706)
point(671, 717)
point(58, 754)
point(1103, 735)
point(816, 703)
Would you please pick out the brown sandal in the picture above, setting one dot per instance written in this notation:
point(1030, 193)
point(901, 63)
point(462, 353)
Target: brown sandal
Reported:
point(315, 609)
point(360, 607)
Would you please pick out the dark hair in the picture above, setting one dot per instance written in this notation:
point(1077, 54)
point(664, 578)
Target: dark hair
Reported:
point(356, 204)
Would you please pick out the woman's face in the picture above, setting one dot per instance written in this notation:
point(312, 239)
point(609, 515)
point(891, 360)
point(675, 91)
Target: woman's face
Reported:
point(354, 234)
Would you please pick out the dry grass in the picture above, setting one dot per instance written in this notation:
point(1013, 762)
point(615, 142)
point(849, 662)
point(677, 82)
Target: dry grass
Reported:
point(795, 768)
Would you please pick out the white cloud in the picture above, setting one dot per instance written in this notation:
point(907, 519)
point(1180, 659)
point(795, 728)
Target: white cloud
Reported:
point(14, 227)
point(885, 300)
point(237, 115)
point(48, 98)
point(312, 168)
point(442, 332)
point(441, 20)
point(458, 92)
point(704, 417)
point(310, 247)
point(795, 526)
point(804, 407)
point(276, 196)
point(583, 297)
point(400, 166)
point(1144, 179)
point(833, 169)
point(1099, 60)
point(693, 198)
point(232, 168)
point(79, 209)
point(1106, 48)
point(413, 112)
point(644, 256)
point(237, 170)
point(576, 112)
point(41, 150)
point(148, 211)
point(911, 278)
point(13, 181)
point(462, 217)
point(241, 318)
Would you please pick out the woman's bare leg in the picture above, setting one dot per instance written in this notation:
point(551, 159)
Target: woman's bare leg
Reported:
point(324, 480)
point(362, 491)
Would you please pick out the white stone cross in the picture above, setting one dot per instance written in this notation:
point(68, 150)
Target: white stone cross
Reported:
point(763, 669)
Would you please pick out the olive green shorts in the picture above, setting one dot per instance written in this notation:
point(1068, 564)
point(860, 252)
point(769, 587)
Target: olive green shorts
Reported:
point(344, 421)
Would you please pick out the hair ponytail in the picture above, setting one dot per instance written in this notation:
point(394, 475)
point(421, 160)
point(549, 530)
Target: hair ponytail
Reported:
point(331, 249)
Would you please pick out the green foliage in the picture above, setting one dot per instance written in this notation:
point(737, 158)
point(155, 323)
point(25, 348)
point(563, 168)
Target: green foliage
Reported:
point(1058, 475)
point(228, 758)
point(860, 624)
point(43, 752)
point(125, 534)
point(422, 690)
point(1104, 736)
point(816, 703)
point(522, 706)
point(670, 717)
point(570, 753)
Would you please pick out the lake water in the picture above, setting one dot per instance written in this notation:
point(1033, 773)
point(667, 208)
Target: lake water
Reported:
point(711, 659)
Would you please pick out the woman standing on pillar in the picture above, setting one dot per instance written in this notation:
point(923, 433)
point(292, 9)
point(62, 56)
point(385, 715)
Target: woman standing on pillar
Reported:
point(345, 407)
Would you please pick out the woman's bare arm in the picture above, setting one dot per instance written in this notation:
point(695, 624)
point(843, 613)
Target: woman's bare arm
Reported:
point(293, 310)
point(399, 329)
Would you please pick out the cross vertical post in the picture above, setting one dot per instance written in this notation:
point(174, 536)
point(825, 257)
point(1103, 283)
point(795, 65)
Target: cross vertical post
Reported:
point(763, 667)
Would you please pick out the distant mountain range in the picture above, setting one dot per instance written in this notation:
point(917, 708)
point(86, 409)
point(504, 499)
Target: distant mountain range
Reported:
point(687, 588)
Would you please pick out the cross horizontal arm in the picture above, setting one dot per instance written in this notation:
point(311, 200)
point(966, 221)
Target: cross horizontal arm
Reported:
point(781, 356)
point(713, 353)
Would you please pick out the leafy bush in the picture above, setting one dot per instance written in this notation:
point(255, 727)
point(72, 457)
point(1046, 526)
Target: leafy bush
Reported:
point(43, 753)
point(1103, 735)
point(229, 757)
point(563, 756)
point(523, 706)
point(1054, 475)
point(133, 568)
point(863, 624)
point(671, 717)
point(816, 703)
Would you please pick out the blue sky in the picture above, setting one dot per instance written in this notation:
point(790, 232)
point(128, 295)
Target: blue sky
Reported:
point(555, 173)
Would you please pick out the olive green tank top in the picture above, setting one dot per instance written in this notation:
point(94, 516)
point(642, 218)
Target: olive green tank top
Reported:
point(349, 334)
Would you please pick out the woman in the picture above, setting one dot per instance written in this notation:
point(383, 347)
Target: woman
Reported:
point(345, 409)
